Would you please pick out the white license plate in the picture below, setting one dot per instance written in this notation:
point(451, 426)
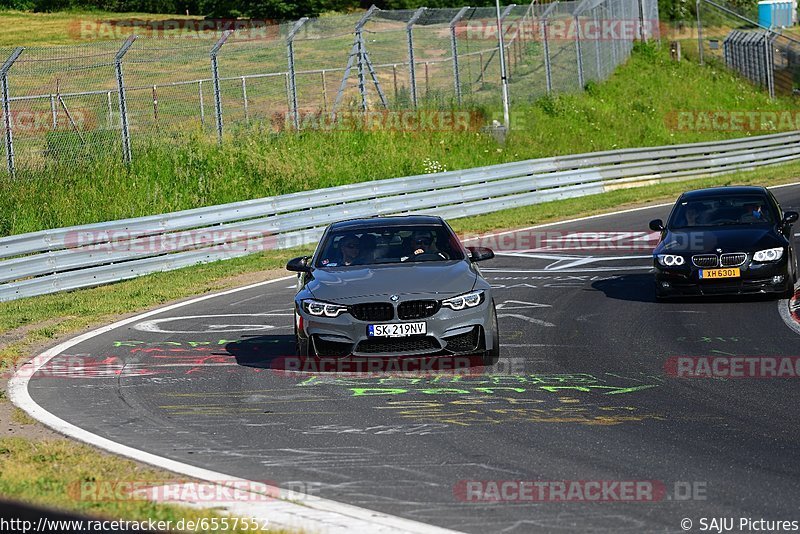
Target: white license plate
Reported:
point(396, 329)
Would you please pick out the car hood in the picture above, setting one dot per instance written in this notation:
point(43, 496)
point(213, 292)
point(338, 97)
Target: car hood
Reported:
point(422, 280)
point(729, 239)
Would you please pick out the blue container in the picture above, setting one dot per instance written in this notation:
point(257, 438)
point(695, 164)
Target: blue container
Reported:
point(766, 13)
point(775, 13)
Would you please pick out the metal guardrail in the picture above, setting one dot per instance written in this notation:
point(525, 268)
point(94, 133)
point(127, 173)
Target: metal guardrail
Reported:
point(83, 256)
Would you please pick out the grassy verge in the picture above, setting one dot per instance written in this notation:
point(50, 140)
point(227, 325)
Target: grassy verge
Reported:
point(635, 107)
point(61, 474)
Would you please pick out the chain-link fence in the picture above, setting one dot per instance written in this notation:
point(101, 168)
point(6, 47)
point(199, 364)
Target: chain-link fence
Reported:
point(66, 104)
point(765, 53)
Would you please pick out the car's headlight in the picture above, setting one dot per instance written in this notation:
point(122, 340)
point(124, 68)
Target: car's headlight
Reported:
point(319, 309)
point(770, 254)
point(670, 260)
point(467, 300)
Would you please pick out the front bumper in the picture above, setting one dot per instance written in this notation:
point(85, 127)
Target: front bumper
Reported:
point(449, 332)
point(755, 278)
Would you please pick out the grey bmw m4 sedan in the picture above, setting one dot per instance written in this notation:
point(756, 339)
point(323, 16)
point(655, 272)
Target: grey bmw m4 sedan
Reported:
point(391, 287)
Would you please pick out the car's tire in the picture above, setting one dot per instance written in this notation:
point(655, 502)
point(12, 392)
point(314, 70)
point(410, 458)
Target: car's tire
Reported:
point(301, 345)
point(492, 356)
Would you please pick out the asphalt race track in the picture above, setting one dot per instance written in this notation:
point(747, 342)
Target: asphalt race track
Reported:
point(581, 394)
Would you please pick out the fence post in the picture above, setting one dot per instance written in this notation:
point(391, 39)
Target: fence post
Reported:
point(609, 10)
point(597, 45)
point(501, 48)
point(7, 109)
point(362, 81)
point(292, 80)
point(699, 33)
point(578, 51)
point(110, 112)
point(412, 69)
point(546, 47)
point(244, 100)
point(202, 103)
point(215, 76)
point(54, 113)
point(123, 105)
point(454, 51)
point(357, 52)
point(642, 33)
point(768, 64)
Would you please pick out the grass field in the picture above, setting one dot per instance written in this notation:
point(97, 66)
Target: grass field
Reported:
point(633, 108)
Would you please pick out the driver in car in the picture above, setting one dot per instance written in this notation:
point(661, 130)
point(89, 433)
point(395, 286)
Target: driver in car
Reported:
point(424, 242)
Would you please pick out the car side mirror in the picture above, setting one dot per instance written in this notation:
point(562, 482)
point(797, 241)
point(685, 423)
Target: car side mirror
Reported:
point(790, 217)
point(480, 254)
point(299, 265)
point(656, 225)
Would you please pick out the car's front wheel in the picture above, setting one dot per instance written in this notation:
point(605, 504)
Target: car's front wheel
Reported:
point(492, 356)
point(301, 345)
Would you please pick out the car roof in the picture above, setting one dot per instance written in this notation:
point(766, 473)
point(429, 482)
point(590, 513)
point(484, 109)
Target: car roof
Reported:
point(711, 192)
point(384, 222)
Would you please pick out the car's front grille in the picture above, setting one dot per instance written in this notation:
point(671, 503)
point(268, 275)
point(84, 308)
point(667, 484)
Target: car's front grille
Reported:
point(398, 344)
point(463, 342)
point(705, 260)
point(417, 309)
point(372, 311)
point(732, 260)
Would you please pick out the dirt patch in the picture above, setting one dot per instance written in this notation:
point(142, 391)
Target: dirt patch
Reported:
point(18, 334)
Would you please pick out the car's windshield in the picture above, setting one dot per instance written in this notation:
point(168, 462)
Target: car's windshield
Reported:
point(395, 244)
point(729, 210)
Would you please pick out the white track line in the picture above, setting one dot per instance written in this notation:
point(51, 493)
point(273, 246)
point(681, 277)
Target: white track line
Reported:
point(316, 514)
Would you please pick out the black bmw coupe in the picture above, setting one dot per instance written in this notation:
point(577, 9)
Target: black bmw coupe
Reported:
point(725, 240)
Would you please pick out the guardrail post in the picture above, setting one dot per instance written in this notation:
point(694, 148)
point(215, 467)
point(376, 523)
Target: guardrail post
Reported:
point(454, 51)
point(412, 69)
point(215, 76)
point(8, 122)
point(292, 77)
point(123, 104)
